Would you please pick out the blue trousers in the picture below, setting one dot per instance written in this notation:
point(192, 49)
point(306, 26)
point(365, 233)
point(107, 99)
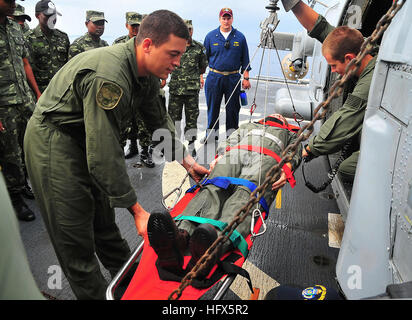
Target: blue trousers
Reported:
point(216, 86)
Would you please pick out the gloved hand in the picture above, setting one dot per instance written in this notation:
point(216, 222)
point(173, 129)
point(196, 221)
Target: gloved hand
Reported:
point(289, 4)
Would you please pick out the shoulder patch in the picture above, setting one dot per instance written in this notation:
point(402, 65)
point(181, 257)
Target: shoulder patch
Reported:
point(109, 95)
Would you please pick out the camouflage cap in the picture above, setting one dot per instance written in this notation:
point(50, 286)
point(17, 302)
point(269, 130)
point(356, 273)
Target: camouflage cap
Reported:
point(189, 23)
point(94, 16)
point(133, 18)
point(19, 12)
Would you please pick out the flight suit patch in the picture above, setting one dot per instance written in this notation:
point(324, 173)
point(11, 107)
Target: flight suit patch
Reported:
point(109, 95)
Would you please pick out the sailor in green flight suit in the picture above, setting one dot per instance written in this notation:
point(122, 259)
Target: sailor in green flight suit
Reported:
point(74, 158)
point(340, 46)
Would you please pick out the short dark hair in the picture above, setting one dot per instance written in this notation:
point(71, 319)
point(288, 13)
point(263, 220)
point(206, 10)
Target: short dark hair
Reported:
point(343, 40)
point(159, 25)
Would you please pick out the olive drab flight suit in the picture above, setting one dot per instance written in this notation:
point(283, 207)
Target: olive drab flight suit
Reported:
point(17, 282)
point(347, 121)
point(215, 203)
point(76, 163)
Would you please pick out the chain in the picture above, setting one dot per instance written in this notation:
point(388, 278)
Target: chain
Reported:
point(290, 151)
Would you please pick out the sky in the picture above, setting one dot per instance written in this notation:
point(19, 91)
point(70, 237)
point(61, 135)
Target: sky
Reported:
point(204, 14)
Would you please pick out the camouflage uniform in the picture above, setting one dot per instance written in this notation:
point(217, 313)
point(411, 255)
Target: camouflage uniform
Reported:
point(47, 54)
point(86, 42)
point(16, 104)
point(136, 130)
point(121, 39)
point(131, 19)
point(184, 86)
point(20, 12)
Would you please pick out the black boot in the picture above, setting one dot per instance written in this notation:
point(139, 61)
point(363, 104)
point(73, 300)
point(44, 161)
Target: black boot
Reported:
point(23, 212)
point(164, 237)
point(27, 192)
point(202, 238)
point(146, 156)
point(133, 150)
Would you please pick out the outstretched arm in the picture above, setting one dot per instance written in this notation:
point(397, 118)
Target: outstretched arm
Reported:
point(306, 15)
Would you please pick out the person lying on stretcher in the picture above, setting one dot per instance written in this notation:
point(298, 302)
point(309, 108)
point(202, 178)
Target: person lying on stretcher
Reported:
point(240, 166)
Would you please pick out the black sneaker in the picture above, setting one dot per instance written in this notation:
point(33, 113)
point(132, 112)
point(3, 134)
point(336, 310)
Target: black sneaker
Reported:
point(164, 239)
point(202, 238)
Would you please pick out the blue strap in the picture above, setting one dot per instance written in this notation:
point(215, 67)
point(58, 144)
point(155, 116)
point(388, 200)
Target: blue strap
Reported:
point(225, 182)
point(236, 238)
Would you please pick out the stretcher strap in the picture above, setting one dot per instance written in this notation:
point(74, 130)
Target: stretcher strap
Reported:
point(236, 238)
point(225, 182)
point(274, 122)
point(286, 169)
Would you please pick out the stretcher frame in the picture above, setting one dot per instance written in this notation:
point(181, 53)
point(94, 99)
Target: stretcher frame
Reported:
point(123, 272)
point(223, 283)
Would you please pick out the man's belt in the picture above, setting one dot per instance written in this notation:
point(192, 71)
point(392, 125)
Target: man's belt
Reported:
point(225, 73)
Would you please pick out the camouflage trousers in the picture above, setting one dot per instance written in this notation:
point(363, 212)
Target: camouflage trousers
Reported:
point(136, 130)
point(191, 104)
point(14, 119)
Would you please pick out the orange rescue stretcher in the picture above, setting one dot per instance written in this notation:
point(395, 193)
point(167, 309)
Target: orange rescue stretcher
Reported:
point(146, 282)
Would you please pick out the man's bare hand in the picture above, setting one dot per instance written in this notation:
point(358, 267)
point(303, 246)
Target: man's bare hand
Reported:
point(141, 217)
point(280, 183)
point(196, 171)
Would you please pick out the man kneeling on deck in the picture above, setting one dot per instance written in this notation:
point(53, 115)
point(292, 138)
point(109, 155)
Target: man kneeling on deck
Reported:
point(240, 166)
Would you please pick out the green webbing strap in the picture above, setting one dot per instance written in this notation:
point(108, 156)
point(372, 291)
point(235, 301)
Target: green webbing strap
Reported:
point(237, 240)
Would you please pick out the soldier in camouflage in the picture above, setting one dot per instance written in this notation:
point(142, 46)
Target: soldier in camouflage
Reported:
point(48, 47)
point(20, 17)
point(137, 129)
point(133, 21)
point(91, 40)
point(16, 106)
point(184, 86)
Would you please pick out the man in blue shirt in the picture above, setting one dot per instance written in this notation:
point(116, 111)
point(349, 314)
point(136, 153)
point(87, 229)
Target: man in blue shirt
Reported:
point(227, 53)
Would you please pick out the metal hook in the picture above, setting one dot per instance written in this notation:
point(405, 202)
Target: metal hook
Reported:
point(257, 213)
point(178, 191)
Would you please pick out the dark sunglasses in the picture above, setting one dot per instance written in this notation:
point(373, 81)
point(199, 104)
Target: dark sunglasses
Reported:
point(227, 44)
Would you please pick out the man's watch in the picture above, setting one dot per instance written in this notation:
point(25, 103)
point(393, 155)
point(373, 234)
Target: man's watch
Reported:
point(246, 79)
